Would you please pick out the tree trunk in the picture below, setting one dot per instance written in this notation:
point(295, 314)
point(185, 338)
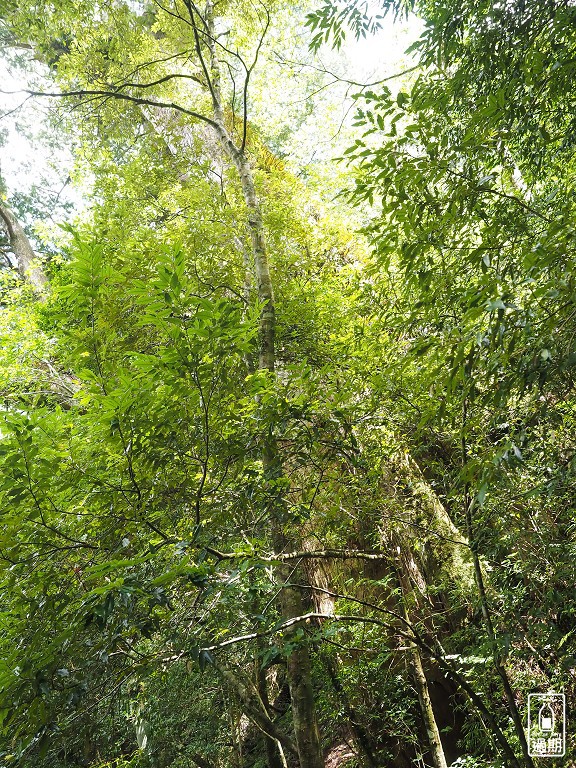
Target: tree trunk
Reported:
point(298, 662)
point(436, 749)
point(420, 681)
point(273, 756)
point(22, 250)
point(291, 605)
point(254, 708)
point(496, 655)
point(299, 670)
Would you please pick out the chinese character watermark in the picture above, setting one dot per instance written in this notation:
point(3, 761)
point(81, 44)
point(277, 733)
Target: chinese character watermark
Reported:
point(546, 724)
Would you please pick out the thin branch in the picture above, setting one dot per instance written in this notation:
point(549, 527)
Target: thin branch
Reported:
point(249, 72)
point(339, 79)
point(504, 195)
point(13, 111)
point(103, 94)
point(164, 59)
point(191, 11)
point(412, 635)
point(164, 79)
point(171, 13)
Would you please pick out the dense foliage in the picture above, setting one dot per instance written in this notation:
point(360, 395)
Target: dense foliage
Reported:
point(280, 488)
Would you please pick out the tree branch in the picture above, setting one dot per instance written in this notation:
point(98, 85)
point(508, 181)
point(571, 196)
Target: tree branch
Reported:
point(107, 94)
point(338, 79)
point(337, 554)
point(254, 708)
point(249, 71)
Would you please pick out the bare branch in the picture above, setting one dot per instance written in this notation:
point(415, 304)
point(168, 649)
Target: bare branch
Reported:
point(104, 94)
point(282, 60)
point(193, 12)
point(164, 79)
point(162, 60)
point(249, 71)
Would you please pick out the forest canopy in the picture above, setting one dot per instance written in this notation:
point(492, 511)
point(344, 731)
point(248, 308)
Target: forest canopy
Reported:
point(287, 409)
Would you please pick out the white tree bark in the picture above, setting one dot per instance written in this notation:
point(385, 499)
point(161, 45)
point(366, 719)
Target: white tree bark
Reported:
point(26, 259)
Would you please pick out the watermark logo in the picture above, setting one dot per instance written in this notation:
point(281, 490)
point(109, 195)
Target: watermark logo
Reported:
point(546, 724)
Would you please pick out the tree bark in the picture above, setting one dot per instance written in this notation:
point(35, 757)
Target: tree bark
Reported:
point(272, 754)
point(20, 245)
point(420, 681)
point(436, 749)
point(299, 669)
point(446, 551)
point(298, 662)
point(255, 709)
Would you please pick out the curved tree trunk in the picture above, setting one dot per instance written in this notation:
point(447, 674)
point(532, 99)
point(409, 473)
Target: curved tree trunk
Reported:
point(26, 259)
